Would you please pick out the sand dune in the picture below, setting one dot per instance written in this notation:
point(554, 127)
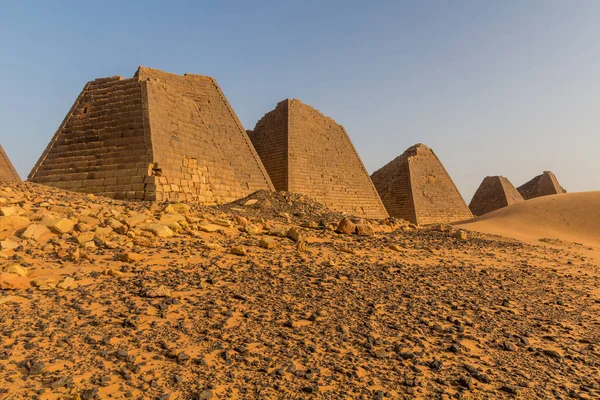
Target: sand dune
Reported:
point(573, 217)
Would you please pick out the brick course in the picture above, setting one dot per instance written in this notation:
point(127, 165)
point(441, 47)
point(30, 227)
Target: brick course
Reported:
point(7, 170)
point(309, 153)
point(156, 136)
point(416, 187)
point(495, 192)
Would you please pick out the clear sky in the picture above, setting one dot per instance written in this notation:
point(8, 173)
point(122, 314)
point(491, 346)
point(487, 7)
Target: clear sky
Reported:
point(505, 87)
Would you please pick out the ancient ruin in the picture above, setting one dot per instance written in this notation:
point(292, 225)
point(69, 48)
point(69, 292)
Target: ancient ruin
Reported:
point(309, 153)
point(156, 136)
point(416, 187)
point(495, 192)
point(8, 173)
point(542, 185)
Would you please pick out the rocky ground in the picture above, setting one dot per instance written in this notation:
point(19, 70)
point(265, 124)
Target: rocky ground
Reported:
point(262, 299)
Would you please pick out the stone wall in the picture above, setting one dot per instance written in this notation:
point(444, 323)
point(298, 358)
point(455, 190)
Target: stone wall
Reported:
point(435, 198)
point(7, 170)
point(542, 185)
point(321, 161)
point(156, 136)
point(101, 146)
point(495, 192)
point(200, 149)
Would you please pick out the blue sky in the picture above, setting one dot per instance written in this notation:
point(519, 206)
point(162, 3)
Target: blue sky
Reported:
point(507, 87)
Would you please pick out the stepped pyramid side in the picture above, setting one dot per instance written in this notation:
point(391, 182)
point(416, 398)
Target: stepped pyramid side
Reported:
point(308, 153)
point(542, 185)
point(8, 173)
point(200, 150)
point(102, 145)
point(156, 136)
point(495, 192)
point(270, 139)
point(418, 179)
point(394, 187)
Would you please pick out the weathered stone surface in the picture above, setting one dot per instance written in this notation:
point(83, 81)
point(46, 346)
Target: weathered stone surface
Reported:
point(364, 230)
point(13, 222)
point(61, 225)
point(8, 245)
point(157, 136)
point(267, 242)
point(10, 281)
point(542, 185)
point(416, 187)
point(159, 230)
point(495, 192)
point(16, 269)
point(346, 227)
point(7, 170)
point(35, 232)
point(306, 152)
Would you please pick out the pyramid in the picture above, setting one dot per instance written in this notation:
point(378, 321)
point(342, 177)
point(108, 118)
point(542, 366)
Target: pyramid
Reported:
point(308, 153)
point(542, 185)
point(416, 187)
point(156, 136)
point(494, 192)
point(7, 171)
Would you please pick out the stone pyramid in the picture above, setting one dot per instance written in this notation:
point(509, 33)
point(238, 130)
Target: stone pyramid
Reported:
point(494, 192)
point(7, 171)
point(542, 185)
point(308, 153)
point(156, 136)
point(416, 187)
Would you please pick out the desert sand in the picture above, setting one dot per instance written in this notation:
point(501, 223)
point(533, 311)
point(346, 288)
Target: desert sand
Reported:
point(261, 298)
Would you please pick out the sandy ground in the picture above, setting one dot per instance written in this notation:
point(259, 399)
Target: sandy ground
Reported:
point(262, 299)
point(571, 220)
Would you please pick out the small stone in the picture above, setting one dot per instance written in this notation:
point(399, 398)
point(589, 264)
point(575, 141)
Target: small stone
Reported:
point(512, 389)
point(211, 228)
point(159, 230)
point(61, 226)
point(67, 284)
point(131, 257)
point(364, 230)
point(294, 233)
point(8, 211)
point(250, 202)
point(553, 354)
point(395, 247)
point(346, 227)
point(179, 208)
point(461, 234)
point(238, 251)
point(268, 242)
point(161, 291)
point(253, 229)
point(35, 232)
point(13, 281)
point(13, 222)
point(279, 231)
point(203, 395)
point(85, 237)
point(16, 269)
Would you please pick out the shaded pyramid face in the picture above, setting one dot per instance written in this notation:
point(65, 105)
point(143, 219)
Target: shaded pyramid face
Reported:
point(416, 187)
point(7, 170)
point(542, 185)
point(308, 153)
point(495, 192)
point(156, 136)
